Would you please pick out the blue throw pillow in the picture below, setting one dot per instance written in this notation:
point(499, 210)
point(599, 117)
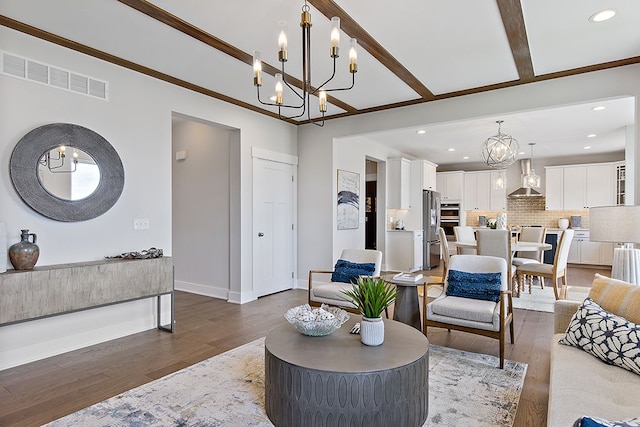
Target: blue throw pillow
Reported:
point(348, 272)
point(600, 422)
point(484, 286)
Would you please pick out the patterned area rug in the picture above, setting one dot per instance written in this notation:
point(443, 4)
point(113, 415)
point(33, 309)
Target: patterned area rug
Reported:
point(465, 389)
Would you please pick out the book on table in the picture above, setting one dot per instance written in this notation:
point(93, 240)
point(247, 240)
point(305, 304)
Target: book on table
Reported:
point(408, 277)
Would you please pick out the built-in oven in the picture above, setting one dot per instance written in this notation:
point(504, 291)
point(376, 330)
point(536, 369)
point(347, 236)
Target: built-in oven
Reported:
point(449, 218)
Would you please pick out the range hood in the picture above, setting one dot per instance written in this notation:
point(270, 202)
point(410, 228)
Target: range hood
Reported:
point(525, 167)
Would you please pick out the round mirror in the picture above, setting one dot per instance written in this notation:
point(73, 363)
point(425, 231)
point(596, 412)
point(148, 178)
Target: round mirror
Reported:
point(68, 173)
point(47, 160)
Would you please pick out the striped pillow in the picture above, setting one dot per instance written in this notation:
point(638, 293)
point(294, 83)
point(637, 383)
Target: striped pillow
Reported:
point(618, 297)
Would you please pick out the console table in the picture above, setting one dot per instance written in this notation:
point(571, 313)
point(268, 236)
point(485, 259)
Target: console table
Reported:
point(64, 288)
point(337, 380)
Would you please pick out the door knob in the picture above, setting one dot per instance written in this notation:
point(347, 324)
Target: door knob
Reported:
point(261, 234)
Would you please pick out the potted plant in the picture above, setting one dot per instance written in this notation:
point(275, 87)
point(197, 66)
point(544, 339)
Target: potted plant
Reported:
point(371, 296)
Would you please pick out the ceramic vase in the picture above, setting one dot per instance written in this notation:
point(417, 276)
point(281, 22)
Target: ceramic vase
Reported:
point(563, 223)
point(24, 254)
point(3, 247)
point(372, 331)
point(501, 221)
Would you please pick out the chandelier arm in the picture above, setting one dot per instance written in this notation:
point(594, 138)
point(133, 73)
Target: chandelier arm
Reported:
point(353, 83)
point(273, 104)
point(330, 78)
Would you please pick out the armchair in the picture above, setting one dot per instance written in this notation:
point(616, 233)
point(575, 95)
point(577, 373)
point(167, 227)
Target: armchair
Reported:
point(323, 290)
point(454, 310)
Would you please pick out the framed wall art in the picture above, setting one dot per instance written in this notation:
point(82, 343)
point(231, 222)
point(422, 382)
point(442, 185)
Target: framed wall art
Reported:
point(348, 200)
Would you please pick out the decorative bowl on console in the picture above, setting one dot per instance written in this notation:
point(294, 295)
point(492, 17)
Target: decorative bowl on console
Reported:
point(316, 322)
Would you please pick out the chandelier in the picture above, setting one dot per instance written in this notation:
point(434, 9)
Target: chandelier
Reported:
point(499, 151)
point(55, 163)
point(307, 90)
point(531, 179)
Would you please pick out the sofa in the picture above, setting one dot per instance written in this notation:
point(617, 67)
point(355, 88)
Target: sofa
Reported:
point(580, 383)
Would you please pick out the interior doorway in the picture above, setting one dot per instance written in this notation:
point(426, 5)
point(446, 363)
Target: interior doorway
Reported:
point(371, 205)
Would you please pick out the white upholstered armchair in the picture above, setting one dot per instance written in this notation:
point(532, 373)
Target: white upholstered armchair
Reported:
point(459, 306)
point(323, 290)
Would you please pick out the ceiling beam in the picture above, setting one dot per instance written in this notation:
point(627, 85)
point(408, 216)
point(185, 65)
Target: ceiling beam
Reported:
point(70, 44)
point(347, 24)
point(513, 21)
point(173, 21)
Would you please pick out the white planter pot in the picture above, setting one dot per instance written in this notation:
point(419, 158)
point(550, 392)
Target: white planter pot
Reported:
point(372, 331)
point(563, 223)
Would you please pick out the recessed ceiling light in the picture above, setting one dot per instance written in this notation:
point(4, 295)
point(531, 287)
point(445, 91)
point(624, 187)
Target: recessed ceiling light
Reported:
point(587, 147)
point(465, 158)
point(603, 15)
point(272, 98)
point(421, 132)
point(451, 149)
point(599, 108)
point(521, 153)
point(591, 135)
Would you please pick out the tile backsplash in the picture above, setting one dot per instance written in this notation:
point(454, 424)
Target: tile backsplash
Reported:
point(529, 211)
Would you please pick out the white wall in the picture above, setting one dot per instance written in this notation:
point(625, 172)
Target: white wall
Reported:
point(316, 145)
point(201, 206)
point(136, 120)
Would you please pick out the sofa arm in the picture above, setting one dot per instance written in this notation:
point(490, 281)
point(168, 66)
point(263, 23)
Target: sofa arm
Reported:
point(563, 312)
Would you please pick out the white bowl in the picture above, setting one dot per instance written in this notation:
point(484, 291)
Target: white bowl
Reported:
point(316, 322)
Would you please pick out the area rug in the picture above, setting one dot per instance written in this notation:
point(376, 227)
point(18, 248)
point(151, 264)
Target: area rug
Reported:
point(465, 389)
point(538, 300)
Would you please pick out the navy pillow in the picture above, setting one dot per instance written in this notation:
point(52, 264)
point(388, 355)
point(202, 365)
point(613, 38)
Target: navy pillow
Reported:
point(484, 286)
point(348, 272)
point(600, 422)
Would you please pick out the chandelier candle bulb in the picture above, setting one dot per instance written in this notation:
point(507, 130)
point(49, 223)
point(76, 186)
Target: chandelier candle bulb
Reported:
point(282, 42)
point(323, 101)
point(353, 56)
point(335, 36)
point(257, 69)
point(279, 88)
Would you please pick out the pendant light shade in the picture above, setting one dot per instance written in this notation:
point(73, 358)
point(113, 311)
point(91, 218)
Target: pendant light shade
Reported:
point(531, 179)
point(500, 151)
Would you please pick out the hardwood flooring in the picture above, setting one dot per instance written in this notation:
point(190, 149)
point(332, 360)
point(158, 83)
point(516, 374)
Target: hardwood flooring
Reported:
point(39, 392)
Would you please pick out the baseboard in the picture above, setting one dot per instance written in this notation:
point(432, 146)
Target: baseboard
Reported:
point(206, 290)
point(241, 297)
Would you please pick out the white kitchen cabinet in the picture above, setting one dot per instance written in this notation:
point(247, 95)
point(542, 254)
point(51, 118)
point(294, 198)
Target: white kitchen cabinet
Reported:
point(477, 191)
point(398, 184)
point(450, 185)
point(554, 189)
point(580, 187)
point(583, 251)
point(404, 250)
point(423, 174)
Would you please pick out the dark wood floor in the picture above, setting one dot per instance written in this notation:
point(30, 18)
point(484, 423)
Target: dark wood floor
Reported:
point(42, 391)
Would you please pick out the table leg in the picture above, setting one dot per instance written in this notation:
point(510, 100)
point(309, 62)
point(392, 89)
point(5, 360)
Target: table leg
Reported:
point(407, 307)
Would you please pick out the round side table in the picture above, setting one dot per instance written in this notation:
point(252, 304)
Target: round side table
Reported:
point(337, 380)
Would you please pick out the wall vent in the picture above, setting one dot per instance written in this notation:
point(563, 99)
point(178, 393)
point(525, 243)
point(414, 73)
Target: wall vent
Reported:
point(28, 69)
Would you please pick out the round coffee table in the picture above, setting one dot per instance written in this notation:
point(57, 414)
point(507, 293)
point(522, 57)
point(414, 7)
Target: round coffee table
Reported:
point(337, 380)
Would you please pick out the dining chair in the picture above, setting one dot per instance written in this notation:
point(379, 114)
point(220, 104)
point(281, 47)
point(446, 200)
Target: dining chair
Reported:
point(555, 271)
point(497, 243)
point(444, 250)
point(464, 234)
point(476, 299)
point(530, 234)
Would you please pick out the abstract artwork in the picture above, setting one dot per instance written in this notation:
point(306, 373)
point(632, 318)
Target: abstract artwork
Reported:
point(348, 200)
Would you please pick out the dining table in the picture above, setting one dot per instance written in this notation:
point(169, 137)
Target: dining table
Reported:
point(519, 246)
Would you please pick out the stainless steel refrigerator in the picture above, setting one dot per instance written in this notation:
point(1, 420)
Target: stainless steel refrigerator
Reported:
point(430, 224)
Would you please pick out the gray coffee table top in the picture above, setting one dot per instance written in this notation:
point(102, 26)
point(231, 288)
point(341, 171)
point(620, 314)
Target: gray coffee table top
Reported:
point(343, 352)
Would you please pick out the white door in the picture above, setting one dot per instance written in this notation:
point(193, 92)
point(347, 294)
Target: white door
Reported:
point(273, 234)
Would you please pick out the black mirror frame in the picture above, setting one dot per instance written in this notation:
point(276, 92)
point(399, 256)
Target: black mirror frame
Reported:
point(24, 172)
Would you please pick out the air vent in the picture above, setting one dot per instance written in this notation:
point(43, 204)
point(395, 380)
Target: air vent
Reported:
point(28, 69)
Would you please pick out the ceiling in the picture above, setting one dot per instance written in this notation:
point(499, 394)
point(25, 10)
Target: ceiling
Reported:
point(417, 51)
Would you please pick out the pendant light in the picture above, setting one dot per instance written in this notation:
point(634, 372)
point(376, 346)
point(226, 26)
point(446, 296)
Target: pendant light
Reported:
point(500, 150)
point(531, 179)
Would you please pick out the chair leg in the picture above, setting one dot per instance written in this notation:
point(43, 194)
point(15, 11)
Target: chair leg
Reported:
point(502, 349)
point(386, 312)
point(541, 280)
point(555, 287)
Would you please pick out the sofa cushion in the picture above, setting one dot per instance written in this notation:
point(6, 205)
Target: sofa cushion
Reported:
point(610, 338)
point(601, 422)
point(483, 286)
point(348, 272)
point(616, 296)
